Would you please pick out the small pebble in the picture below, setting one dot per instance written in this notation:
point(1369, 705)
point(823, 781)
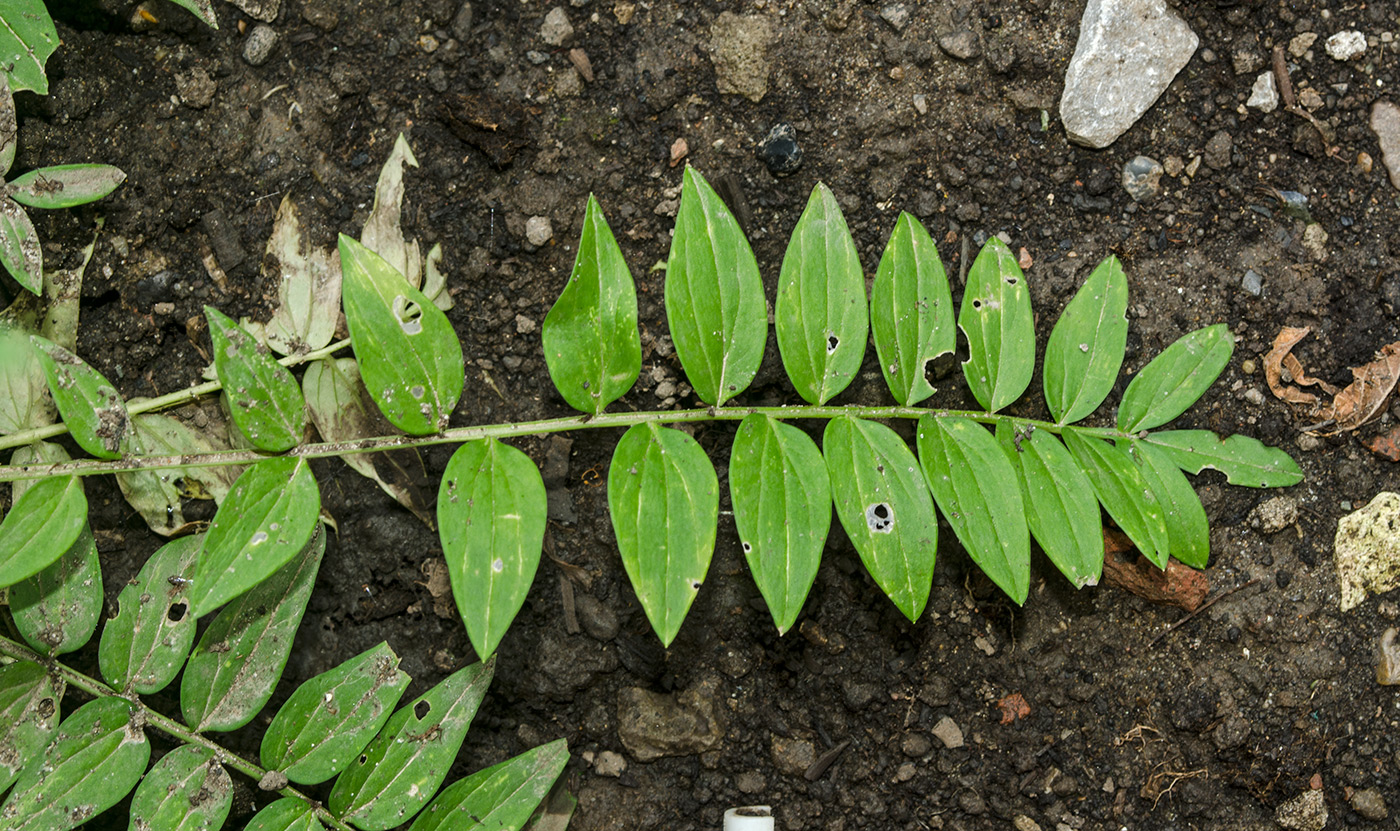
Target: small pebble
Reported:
point(779, 150)
point(579, 59)
point(610, 763)
point(1248, 367)
point(1345, 46)
point(897, 15)
point(1264, 95)
point(1388, 658)
point(948, 732)
point(1252, 283)
point(1173, 165)
point(1300, 44)
point(1274, 515)
point(962, 44)
point(679, 149)
point(916, 745)
point(538, 230)
point(906, 772)
point(1364, 162)
point(1254, 396)
point(556, 28)
point(428, 44)
point(1369, 803)
point(1142, 178)
point(524, 325)
point(921, 103)
point(261, 41)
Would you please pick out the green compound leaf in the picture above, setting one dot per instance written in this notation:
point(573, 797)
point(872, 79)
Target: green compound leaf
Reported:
point(40, 527)
point(715, 306)
point(330, 718)
point(1061, 509)
point(911, 311)
point(1188, 530)
point(266, 519)
point(95, 760)
point(821, 310)
point(27, 38)
point(24, 402)
point(144, 646)
point(410, 358)
point(57, 610)
point(663, 496)
point(500, 797)
point(996, 320)
point(236, 664)
point(1175, 379)
point(286, 814)
point(263, 397)
point(1124, 493)
point(972, 482)
point(29, 699)
point(405, 764)
point(1086, 347)
point(65, 185)
point(591, 343)
point(491, 519)
point(782, 507)
point(884, 504)
point(91, 407)
point(187, 790)
point(20, 251)
point(1243, 460)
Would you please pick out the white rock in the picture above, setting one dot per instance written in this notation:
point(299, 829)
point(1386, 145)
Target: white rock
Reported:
point(1345, 46)
point(1128, 52)
point(1264, 95)
point(556, 28)
point(1385, 123)
point(538, 230)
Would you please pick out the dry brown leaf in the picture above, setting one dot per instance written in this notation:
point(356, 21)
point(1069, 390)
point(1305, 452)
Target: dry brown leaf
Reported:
point(1363, 399)
point(1288, 337)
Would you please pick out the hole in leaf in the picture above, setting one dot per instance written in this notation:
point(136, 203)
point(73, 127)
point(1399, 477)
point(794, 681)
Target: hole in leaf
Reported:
point(421, 709)
point(747, 548)
point(409, 315)
point(176, 613)
point(831, 343)
point(879, 517)
point(364, 759)
point(1011, 279)
point(976, 304)
point(695, 585)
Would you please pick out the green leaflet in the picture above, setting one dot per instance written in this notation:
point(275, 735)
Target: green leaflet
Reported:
point(23, 387)
point(1188, 530)
point(884, 505)
point(911, 311)
point(42, 524)
point(405, 764)
point(970, 478)
point(1061, 509)
point(330, 718)
point(57, 609)
point(409, 356)
point(1124, 493)
point(203, 9)
point(29, 699)
point(491, 519)
point(663, 496)
point(500, 797)
point(591, 343)
point(286, 814)
point(996, 320)
point(820, 315)
point(27, 38)
point(266, 519)
point(1243, 460)
point(263, 397)
point(91, 407)
point(144, 646)
point(65, 185)
point(1175, 379)
point(20, 251)
point(782, 507)
point(187, 790)
point(9, 125)
point(94, 761)
point(1086, 347)
point(236, 664)
point(715, 306)
point(308, 287)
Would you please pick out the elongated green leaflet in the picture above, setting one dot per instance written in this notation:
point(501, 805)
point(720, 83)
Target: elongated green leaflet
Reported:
point(410, 358)
point(1124, 493)
point(263, 397)
point(970, 477)
point(1243, 460)
point(996, 320)
point(884, 504)
point(236, 664)
point(23, 403)
point(9, 124)
point(1175, 379)
point(491, 519)
point(266, 519)
point(65, 185)
point(1061, 509)
point(41, 526)
point(714, 298)
point(96, 759)
point(187, 790)
point(1086, 347)
point(820, 315)
point(202, 9)
point(91, 407)
point(57, 609)
point(591, 343)
point(782, 507)
point(330, 718)
point(20, 251)
point(405, 764)
point(144, 646)
point(1187, 527)
point(286, 814)
point(911, 311)
point(502, 796)
point(29, 699)
point(663, 496)
point(27, 39)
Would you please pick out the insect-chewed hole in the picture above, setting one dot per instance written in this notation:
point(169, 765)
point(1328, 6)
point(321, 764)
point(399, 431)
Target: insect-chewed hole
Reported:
point(880, 517)
point(831, 343)
point(176, 613)
point(695, 585)
point(1011, 279)
point(421, 709)
point(976, 304)
point(747, 548)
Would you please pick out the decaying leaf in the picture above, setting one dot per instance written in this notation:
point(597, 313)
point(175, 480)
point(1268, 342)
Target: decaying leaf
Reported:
point(1363, 399)
point(308, 287)
point(383, 234)
point(1368, 550)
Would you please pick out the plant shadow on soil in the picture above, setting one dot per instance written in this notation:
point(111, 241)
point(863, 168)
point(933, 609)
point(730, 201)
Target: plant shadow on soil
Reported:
point(1230, 715)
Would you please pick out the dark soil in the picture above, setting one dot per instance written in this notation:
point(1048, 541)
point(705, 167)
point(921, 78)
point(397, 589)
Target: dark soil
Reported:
point(1216, 724)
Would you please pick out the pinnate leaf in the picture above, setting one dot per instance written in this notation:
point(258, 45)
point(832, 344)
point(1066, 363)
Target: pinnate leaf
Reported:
point(1124, 493)
point(263, 397)
point(1061, 509)
point(65, 185)
point(500, 797)
point(56, 610)
point(1244, 460)
point(187, 790)
point(911, 311)
point(996, 320)
point(1175, 379)
point(41, 526)
point(144, 646)
point(91, 407)
point(1086, 347)
point(1188, 530)
point(29, 699)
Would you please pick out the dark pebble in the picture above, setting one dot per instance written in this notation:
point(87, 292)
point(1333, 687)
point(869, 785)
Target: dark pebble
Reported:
point(1283, 578)
point(779, 150)
point(1233, 634)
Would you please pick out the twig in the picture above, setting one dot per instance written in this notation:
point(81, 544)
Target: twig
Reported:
point(1199, 609)
point(1290, 101)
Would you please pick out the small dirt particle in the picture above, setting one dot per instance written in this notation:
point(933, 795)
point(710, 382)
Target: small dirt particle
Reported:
point(1369, 803)
point(949, 733)
point(610, 763)
point(261, 41)
point(916, 745)
point(791, 756)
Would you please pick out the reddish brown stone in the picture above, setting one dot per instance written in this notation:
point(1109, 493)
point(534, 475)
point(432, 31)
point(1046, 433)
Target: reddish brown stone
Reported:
point(1180, 585)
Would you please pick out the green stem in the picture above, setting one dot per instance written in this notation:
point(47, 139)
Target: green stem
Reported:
point(165, 724)
point(90, 467)
point(163, 402)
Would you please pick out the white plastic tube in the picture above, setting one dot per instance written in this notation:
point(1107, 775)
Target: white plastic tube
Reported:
point(749, 818)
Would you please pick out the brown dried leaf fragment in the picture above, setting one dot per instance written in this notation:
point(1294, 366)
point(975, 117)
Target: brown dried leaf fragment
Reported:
point(1363, 399)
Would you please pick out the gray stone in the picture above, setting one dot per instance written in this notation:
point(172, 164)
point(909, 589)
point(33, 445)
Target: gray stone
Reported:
point(261, 41)
point(538, 230)
point(652, 725)
point(1218, 150)
point(264, 10)
point(1369, 803)
point(1252, 283)
point(1247, 57)
point(597, 618)
point(1274, 515)
point(1346, 46)
point(1305, 812)
point(556, 28)
point(610, 763)
point(779, 150)
point(897, 15)
point(1385, 123)
point(1128, 52)
point(1263, 96)
point(948, 732)
point(962, 44)
point(462, 22)
point(1142, 178)
point(739, 50)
